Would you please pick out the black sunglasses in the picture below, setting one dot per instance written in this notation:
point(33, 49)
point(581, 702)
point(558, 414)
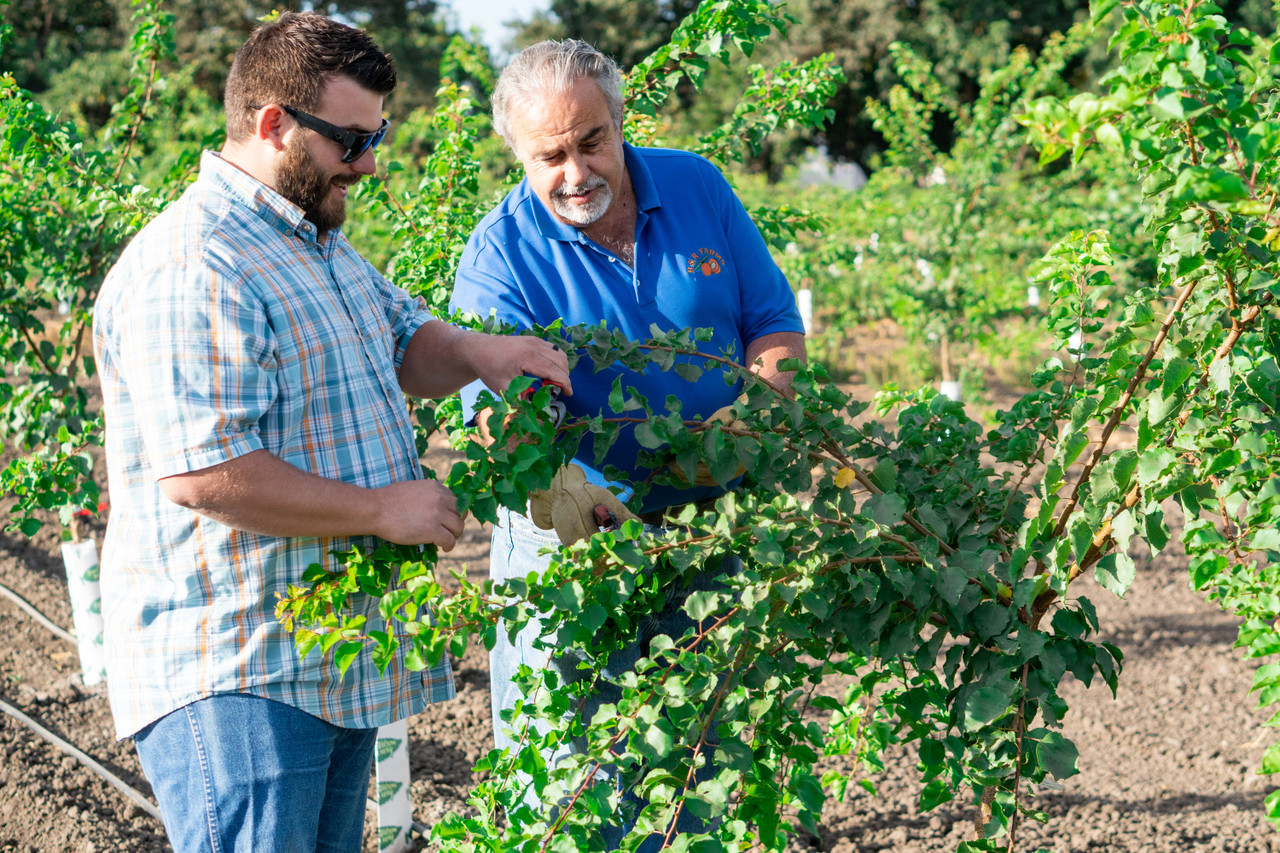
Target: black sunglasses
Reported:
point(355, 142)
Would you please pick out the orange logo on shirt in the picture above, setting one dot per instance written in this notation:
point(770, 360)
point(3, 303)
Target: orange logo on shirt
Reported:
point(706, 261)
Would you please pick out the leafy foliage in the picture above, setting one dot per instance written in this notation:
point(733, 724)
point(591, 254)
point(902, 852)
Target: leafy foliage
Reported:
point(942, 241)
point(923, 559)
point(890, 553)
point(59, 238)
point(1193, 108)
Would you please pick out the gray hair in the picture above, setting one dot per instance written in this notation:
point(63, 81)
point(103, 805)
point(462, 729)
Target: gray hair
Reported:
point(553, 67)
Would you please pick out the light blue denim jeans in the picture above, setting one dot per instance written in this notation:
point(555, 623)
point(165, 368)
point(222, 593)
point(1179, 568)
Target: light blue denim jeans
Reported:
point(514, 554)
point(242, 774)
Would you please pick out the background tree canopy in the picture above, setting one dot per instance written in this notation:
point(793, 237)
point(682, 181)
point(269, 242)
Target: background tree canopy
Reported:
point(935, 583)
point(72, 54)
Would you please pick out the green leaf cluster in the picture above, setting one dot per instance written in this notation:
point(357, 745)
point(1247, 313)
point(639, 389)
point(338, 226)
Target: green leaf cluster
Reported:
point(924, 559)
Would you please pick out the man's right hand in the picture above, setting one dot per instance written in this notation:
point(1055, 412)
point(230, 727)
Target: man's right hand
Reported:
point(261, 493)
point(419, 512)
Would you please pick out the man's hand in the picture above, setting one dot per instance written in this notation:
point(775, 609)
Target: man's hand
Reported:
point(261, 493)
point(440, 358)
point(569, 506)
point(725, 417)
point(497, 359)
point(418, 512)
point(763, 356)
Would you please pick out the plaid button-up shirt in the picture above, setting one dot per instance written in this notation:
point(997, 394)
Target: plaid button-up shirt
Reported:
point(227, 327)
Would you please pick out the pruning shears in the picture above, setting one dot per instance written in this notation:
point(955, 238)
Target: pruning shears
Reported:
point(555, 409)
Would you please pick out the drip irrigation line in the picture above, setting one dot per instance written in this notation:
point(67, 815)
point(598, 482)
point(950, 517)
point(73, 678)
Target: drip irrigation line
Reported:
point(115, 781)
point(123, 787)
point(133, 794)
point(37, 615)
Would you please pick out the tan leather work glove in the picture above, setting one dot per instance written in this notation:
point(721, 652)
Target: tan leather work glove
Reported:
point(569, 506)
point(724, 416)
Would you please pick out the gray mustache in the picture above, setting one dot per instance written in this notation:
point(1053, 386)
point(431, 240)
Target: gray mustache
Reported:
point(565, 190)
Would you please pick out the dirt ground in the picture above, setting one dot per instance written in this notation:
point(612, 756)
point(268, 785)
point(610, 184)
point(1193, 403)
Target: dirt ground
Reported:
point(1167, 767)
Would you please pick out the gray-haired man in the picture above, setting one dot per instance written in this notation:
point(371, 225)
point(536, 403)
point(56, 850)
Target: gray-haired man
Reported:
point(600, 230)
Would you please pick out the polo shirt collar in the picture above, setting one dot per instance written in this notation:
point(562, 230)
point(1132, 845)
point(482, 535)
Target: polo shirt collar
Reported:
point(642, 184)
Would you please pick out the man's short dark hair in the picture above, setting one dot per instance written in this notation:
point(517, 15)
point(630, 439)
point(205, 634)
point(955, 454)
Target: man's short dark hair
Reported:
point(291, 59)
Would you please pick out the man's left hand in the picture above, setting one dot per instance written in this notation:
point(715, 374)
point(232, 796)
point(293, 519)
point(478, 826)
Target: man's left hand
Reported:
point(569, 504)
point(726, 418)
point(497, 359)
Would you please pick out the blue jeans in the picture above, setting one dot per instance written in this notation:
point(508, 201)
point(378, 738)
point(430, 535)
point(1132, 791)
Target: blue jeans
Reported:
point(242, 774)
point(514, 554)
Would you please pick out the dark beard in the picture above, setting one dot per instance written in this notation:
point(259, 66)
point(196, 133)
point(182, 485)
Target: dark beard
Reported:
point(299, 181)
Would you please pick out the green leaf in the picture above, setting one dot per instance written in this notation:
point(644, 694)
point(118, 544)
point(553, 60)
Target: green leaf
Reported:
point(1155, 530)
point(1058, 755)
point(1115, 573)
point(1152, 465)
point(768, 553)
point(688, 372)
point(1205, 568)
point(1208, 184)
point(1070, 623)
point(1220, 375)
point(1272, 802)
point(659, 740)
point(647, 438)
point(1176, 372)
point(701, 604)
point(1169, 108)
point(735, 754)
point(991, 619)
point(988, 704)
point(617, 397)
point(886, 509)
point(345, 655)
point(1099, 9)
point(1270, 760)
point(1109, 137)
point(816, 604)
point(413, 660)
point(934, 794)
point(1265, 539)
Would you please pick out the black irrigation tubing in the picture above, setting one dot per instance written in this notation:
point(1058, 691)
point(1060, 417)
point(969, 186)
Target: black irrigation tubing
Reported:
point(37, 615)
point(116, 782)
point(132, 794)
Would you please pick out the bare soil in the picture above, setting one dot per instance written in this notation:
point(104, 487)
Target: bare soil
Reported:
point(1168, 766)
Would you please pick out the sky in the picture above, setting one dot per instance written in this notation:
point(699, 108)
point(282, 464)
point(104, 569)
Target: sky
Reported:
point(488, 15)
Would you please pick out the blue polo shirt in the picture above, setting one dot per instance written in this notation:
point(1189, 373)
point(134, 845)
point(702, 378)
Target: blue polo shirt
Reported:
point(700, 262)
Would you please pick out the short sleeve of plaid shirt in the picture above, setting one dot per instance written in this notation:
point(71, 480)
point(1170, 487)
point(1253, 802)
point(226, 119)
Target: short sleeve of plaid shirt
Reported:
point(227, 327)
point(201, 364)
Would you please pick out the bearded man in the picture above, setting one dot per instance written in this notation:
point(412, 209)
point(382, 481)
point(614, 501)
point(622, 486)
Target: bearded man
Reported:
point(253, 369)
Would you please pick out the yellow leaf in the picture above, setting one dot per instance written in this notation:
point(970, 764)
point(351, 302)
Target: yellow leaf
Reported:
point(1272, 239)
point(845, 478)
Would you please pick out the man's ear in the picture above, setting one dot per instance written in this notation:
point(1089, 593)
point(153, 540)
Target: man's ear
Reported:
point(271, 126)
